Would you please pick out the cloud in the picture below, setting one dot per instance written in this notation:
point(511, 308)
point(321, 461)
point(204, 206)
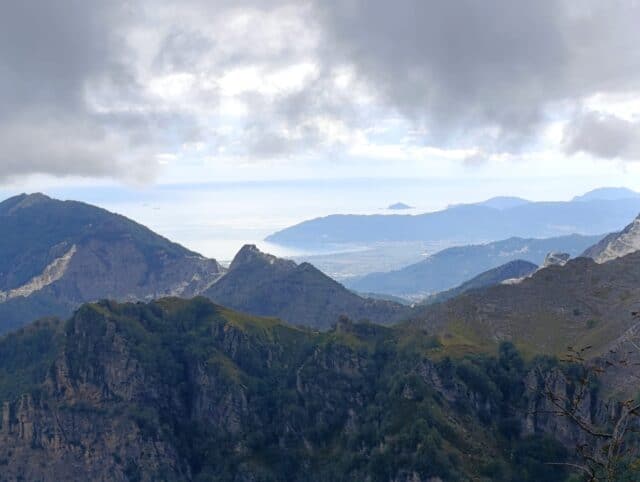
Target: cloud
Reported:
point(51, 54)
point(101, 88)
point(489, 75)
point(603, 135)
point(487, 71)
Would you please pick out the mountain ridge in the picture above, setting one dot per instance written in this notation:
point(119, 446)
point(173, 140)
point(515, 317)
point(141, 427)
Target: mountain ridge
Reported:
point(581, 303)
point(265, 285)
point(463, 224)
point(56, 255)
point(188, 390)
point(452, 266)
point(513, 270)
point(608, 193)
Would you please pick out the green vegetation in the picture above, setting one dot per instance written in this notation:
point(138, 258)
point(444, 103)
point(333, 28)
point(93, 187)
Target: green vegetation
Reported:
point(25, 358)
point(245, 398)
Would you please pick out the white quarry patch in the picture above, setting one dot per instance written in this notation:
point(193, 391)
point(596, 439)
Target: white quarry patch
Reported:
point(53, 272)
point(514, 281)
point(628, 242)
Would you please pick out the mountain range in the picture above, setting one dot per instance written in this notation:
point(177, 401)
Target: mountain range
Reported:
point(452, 266)
point(56, 255)
point(600, 211)
point(189, 389)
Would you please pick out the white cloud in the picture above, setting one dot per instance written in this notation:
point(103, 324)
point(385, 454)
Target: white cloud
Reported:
point(279, 81)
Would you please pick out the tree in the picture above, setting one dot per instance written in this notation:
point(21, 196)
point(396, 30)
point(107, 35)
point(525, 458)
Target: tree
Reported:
point(610, 451)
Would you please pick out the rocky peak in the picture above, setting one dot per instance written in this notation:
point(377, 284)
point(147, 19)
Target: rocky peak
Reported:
point(250, 255)
point(617, 245)
point(22, 201)
point(35, 198)
point(556, 259)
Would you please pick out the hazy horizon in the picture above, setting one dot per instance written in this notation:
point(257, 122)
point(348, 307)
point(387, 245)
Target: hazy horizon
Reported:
point(118, 103)
point(217, 219)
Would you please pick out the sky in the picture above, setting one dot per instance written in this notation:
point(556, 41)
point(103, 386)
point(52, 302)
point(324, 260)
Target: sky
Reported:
point(429, 102)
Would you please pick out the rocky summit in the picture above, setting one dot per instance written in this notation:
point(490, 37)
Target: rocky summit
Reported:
point(265, 285)
point(617, 244)
point(556, 259)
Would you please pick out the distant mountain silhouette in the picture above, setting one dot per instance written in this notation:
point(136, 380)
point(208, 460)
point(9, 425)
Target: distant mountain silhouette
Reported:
point(452, 266)
point(492, 220)
point(608, 194)
point(399, 206)
point(513, 270)
point(503, 202)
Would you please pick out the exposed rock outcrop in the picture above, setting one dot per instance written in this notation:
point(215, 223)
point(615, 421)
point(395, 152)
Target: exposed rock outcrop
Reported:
point(556, 259)
point(616, 245)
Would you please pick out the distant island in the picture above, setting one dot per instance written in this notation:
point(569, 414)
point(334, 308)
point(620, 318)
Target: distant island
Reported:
point(399, 206)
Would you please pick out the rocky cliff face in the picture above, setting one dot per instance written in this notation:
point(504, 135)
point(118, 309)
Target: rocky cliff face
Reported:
point(556, 259)
point(55, 255)
point(178, 390)
point(616, 245)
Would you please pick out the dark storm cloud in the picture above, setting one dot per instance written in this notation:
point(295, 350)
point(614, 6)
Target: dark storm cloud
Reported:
point(468, 66)
point(453, 60)
point(50, 52)
point(47, 49)
point(75, 96)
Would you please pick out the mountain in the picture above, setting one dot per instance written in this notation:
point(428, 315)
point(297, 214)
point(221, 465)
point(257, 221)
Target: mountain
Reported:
point(55, 255)
point(464, 224)
point(580, 304)
point(188, 390)
point(399, 206)
point(453, 266)
point(608, 194)
point(513, 270)
point(616, 244)
point(264, 285)
point(504, 202)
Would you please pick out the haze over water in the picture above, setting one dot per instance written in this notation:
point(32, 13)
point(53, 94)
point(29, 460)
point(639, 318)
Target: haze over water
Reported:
point(216, 219)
